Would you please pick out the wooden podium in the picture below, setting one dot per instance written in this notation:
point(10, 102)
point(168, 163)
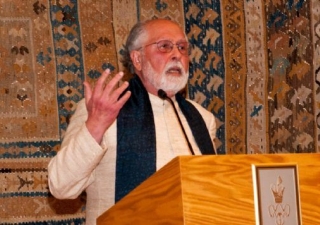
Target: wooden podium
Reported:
point(212, 190)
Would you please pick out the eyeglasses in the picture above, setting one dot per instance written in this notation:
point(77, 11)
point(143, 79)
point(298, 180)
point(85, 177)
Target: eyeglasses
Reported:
point(166, 46)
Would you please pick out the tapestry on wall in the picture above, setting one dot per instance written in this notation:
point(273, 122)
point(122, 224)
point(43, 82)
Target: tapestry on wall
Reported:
point(36, 102)
point(254, 65)
point(47, 50)
point(271, 61)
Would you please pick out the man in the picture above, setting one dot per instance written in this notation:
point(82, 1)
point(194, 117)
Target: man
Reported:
point(119, 136)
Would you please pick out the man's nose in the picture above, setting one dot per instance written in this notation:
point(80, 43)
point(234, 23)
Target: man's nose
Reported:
point(175, 52)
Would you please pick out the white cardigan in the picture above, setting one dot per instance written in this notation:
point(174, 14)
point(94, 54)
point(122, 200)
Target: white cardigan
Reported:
point(82, 164)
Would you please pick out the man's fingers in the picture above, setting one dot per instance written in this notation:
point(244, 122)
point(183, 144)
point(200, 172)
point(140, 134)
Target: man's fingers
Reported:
point(111, 89)
point(101, 81)
point(114, 81)
point(121, 89)
point(106, 94)
point(124, 99)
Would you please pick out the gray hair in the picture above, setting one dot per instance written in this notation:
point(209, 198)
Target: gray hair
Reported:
point(135, 38)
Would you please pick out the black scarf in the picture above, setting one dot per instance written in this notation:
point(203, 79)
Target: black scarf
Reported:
point(136, 138)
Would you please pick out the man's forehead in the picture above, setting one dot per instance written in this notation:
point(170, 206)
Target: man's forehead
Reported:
point(165, 30)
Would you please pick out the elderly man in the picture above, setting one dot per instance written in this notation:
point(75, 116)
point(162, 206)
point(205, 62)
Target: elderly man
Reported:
point(119, 136)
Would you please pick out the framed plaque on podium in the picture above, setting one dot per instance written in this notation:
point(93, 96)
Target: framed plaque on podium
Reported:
point(276, 193)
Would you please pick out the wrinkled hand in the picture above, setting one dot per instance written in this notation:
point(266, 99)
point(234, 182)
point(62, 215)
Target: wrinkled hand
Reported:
point(103, 103)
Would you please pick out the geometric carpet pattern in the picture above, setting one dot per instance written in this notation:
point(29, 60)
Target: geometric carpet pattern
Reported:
point(254, 64)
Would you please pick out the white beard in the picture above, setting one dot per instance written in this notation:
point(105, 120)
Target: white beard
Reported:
point(164, 81)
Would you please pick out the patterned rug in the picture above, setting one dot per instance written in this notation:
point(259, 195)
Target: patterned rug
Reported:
point(254, 65)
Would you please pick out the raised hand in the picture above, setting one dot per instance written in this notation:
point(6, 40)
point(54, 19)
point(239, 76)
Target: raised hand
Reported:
point(103, 103)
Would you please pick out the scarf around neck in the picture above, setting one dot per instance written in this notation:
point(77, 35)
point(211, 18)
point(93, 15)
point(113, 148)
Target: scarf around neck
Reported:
point(136, 138)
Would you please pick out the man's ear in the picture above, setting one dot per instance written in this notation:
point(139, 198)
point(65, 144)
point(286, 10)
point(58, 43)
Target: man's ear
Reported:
point(136, 59)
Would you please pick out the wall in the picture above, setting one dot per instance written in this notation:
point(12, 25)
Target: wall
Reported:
point(254, 65)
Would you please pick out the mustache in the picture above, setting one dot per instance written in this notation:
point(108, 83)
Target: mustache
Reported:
point(174, 66)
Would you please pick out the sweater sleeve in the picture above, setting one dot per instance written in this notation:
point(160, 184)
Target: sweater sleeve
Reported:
point(72, 169)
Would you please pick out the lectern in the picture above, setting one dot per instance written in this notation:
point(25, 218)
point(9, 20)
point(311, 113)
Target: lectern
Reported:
point(219, 190)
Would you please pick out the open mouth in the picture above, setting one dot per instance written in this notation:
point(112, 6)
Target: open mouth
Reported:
point(174, 70)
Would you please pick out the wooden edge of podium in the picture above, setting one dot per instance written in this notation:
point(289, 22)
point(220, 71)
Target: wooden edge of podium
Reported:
point(157, 197)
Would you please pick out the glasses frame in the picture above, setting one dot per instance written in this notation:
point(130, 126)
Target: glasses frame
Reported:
point(158, 43)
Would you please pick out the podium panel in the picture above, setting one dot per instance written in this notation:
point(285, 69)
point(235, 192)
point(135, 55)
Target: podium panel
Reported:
point(213, 189)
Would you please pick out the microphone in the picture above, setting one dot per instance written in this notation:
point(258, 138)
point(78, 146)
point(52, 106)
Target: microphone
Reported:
point(163, 95)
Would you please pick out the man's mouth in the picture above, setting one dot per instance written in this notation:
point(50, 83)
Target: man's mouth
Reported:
point(174, 70)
